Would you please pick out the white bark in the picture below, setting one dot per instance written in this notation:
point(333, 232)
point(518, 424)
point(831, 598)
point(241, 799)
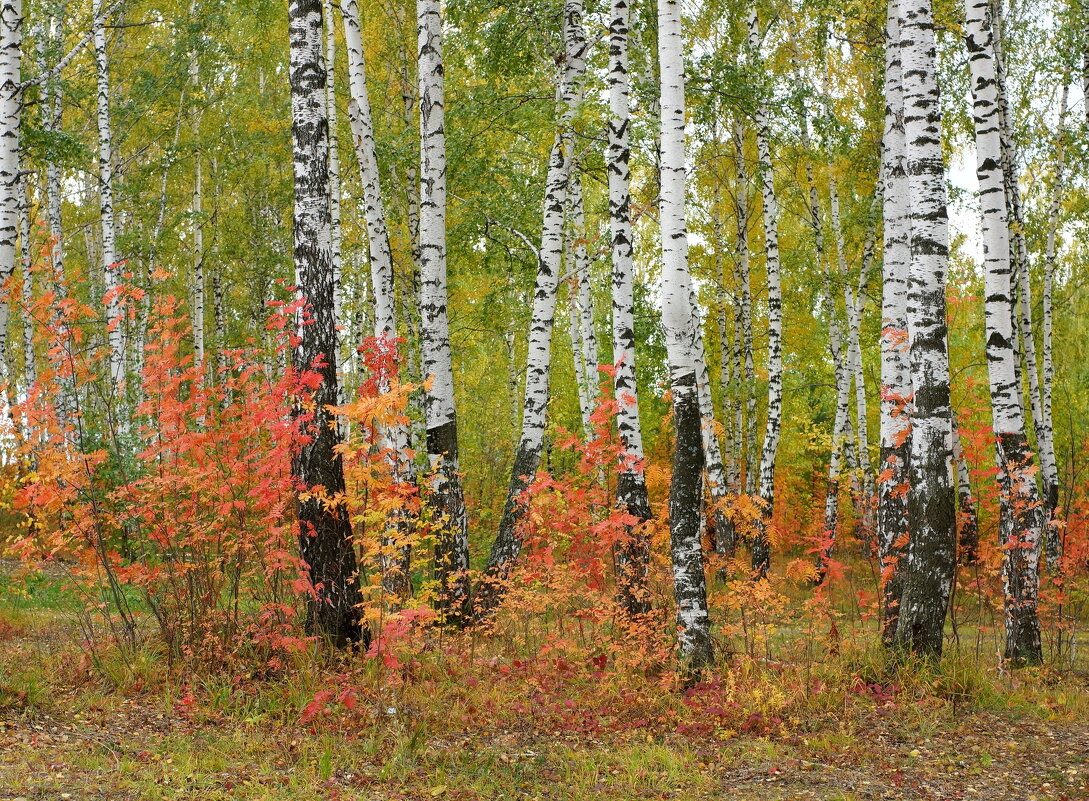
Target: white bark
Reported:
point(761, 553)
point(1051, 491)
point(198, 217)
point(334, 164)
point(631, 489)
point(30, 368)
point(853, 304)
point(452, 545)
point(931, 555)
point(892, 512)
point(744, 314)
point(1023, 528)
point(110, 266)
point(11, 101)
point(586, 350)
point(679, 322)
point(359, 114)
point(539, 343)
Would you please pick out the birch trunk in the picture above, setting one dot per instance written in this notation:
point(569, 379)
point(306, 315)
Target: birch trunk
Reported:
point(584, 322)
point(761, 549)
point(11, 101)
point(1020, 265)
point(325, 532)
point(30, 367)
point(334, 177)
point(744, 313)
point(507, 544)
point(714, 469)
point(110, 266)
point(853, 305)
point(1023, 528)
point(633, 554)
point(1051, 489)
point(894, 475)
point(968, 524)
point(679, 322)
point(446, 497)
point(931, 557)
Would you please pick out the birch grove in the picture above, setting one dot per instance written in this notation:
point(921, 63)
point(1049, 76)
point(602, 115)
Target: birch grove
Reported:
point(338, 390)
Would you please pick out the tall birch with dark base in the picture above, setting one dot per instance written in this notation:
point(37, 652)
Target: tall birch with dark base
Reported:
point(445, 495)
point(507, 545)
point(325, 533)
point(678, 320)
point(631, 487)
point(893, 471)
point(1021, 526)
point(931, 554)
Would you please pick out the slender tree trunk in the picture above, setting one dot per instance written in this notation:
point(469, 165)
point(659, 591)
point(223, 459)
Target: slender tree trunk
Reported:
point(574, 328)
point(110, 266)
point(841, 426)
point(11, 101)
point(633, 554)
point(52, 104)
point(894, 476)
point(1024, 331)
point(718, 484)
point(197, 212)
point(743, 316)
point(968, 534)
point(585, 333)
point(325, 535)
point(1051, 488)
point(374, 212)
point(507, 544)
point(931, 553)
point(30, 367)
point(679, 322)
point(334, 172)
point(761, 549)
point(853, 305)
point(446, 498)
point(1020, 503)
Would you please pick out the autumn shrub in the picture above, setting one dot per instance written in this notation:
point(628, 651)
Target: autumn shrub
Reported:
point(194, 529)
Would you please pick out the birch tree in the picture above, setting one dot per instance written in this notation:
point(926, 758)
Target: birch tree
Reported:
point(931, 504)
point(446, 499)
point(507, 545)
point(894, 474)
point(1022, 524)
point(325, 532)
point(110, 264)
point(11, 102)
point(395, 554)
point(761, 548)
point(678, 320)
point(631, 487)
point(1051, 489)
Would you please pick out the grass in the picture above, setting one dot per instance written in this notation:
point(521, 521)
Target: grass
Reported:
point(481, 718)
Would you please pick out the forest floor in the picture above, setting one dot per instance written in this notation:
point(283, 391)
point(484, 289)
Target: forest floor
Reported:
point(63, 737)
